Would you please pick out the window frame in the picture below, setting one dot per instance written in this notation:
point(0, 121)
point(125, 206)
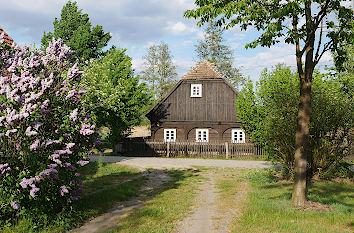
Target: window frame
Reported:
point(201, 134)
point(237, 133)
point(199, 88)
point(168, 132)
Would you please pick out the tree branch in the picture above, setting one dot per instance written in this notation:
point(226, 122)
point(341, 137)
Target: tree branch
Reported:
point(319, 42)
point(326, 47)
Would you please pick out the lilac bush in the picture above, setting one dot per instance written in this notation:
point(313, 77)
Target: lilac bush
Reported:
point(45, 131)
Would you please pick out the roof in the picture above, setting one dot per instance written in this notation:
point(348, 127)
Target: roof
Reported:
point(6, 38)
point(204, 70)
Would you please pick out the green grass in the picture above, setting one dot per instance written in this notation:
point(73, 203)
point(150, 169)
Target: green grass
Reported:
point(103, 188)
point(170, 204)
point(269, 208)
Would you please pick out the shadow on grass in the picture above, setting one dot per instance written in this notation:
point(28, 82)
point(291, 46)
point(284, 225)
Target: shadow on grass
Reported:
point(101, 201)
point(325, 192)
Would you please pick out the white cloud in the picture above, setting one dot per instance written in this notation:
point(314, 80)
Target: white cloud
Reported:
point(179, 28)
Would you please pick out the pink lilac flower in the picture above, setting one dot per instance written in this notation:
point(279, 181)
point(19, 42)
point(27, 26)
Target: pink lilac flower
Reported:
point(4, 168)
point(49, 173)
point(15, 205)
point(70, 145)
point(63, 190)
point(73, 114)
point(11, 132)
point(33, 191)
point(30, 132)
point(35, 145)
point(86, 129)
point(82, 162)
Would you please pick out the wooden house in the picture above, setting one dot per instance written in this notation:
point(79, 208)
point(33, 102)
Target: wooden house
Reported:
point(199, 108)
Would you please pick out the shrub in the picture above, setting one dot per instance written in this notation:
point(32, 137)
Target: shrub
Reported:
point(44, 132)
point(268, 111)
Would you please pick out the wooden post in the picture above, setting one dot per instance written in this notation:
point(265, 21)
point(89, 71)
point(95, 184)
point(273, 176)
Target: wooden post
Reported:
point(168, 149)
point(227, 149)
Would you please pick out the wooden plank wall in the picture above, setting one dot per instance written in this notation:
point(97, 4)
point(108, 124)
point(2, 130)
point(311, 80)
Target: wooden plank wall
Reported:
point(217, 103)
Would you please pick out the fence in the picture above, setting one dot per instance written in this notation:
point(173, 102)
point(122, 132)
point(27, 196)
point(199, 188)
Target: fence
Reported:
point(191, 149)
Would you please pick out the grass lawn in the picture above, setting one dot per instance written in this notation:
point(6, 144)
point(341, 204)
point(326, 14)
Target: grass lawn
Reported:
point(103, 188)
point(170, 204)
point(269, 208)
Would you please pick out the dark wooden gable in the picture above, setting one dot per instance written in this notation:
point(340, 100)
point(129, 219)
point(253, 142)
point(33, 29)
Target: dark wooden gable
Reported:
point(216, 105)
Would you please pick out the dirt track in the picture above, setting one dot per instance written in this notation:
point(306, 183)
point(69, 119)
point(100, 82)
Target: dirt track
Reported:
point(162, 163)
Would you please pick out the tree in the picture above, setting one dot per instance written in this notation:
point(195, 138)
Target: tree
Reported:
point(213, 49)
point(74, 28)
point(159, 73)
point(45, 133)
point(280, 20)
point(114, 94)
point(268, 112)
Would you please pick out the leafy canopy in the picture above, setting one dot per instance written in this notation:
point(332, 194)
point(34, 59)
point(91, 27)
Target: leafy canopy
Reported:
point(278, 21)
point(213, 49)
point(159, 71)
point(268, 113)
point(75, 29)
point(115, 95)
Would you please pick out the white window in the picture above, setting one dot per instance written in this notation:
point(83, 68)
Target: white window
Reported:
point(196, 90)
point(238, 136)
point(202, 135)
point(169, 135)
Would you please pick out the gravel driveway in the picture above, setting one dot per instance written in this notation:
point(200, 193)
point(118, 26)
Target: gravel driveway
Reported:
point(158, 163)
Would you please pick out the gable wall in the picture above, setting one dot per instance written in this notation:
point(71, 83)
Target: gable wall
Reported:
point(217, 103)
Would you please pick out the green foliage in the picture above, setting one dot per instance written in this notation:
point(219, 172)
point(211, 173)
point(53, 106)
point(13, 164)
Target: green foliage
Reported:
point(159, 72)
point(213, 49)
point(269, 110)
point(273, 17)
point(115, 95)
point(75, 29)
point(45, 133)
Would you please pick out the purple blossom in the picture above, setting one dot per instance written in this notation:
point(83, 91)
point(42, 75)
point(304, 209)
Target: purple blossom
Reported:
point(49, 173)
point(86, 129)
point(15, 205)
point(53, 165)
point(50, 142)
point(73, 114)
point(69, 166)
point(4, 168)
point(33, 191)
point(70, 145)
point(83, 162)
point(77, 174)
point(35, 145)
point(29, 182)
point(63, 152)
point(30, 132)
point(11, 132)
point(63, 190)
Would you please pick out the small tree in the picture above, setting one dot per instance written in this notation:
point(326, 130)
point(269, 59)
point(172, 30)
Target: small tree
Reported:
point(45, 132)
point(268, 112)
point(280, 21)
point(213, 49)
point(159, 72)
point(115, 95)
point(75, 30)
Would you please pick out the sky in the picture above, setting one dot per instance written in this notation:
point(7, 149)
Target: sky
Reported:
point(137, 24)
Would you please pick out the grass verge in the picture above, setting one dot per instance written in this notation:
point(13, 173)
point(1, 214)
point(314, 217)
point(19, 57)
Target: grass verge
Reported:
point(269, 207)
point(171, 202)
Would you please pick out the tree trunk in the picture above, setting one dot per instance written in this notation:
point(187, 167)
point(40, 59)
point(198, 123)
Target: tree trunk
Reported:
point(301, 141)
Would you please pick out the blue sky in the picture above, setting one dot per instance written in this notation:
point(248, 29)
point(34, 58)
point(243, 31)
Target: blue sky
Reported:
point(136, 24)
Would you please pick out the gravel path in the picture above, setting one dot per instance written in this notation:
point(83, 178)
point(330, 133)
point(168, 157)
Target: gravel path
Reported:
point(111, 218)
point(159, 163)
point(204, 216)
